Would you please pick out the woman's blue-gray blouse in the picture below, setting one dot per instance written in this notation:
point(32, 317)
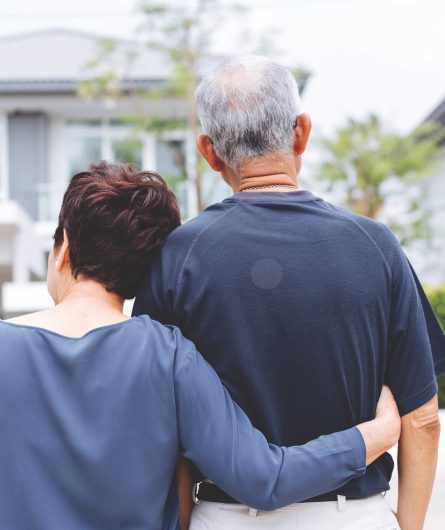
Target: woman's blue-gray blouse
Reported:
point(91, 428)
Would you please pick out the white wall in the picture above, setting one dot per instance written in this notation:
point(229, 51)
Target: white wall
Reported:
point(429, 259)
point(4, 157)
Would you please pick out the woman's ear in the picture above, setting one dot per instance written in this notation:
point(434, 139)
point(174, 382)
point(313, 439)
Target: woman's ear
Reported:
point(63, 255)
point(207, 150)
point(301, 133)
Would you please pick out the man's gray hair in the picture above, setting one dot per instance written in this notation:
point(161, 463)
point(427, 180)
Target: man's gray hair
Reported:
point(248, 107)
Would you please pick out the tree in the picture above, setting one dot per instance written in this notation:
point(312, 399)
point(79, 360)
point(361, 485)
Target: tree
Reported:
point(182, 32)
point(436, 296)
point(363, 159)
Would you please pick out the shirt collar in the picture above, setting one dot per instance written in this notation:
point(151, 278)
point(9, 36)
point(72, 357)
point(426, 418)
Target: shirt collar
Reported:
point(298, 195)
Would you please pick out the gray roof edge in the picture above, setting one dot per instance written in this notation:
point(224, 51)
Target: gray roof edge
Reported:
point(65, 31)
point(437, 114)
point(66, 86)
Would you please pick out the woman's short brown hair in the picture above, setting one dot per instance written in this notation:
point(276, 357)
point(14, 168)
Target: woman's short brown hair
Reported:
point(116, 219)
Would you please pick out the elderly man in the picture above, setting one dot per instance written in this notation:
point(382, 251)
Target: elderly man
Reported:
point(303, 309)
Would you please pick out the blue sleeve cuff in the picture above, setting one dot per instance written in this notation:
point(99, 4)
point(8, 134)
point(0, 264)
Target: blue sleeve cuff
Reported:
point(358, 444)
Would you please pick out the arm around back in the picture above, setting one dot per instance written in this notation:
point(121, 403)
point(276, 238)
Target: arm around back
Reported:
point(218, 437)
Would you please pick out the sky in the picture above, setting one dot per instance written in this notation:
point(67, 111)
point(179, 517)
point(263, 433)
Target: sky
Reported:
point(381, 56)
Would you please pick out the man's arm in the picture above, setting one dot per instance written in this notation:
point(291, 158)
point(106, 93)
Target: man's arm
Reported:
point(413, 336)
point(417, 460)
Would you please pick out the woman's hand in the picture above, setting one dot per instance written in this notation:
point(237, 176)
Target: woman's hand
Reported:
point(383, 432)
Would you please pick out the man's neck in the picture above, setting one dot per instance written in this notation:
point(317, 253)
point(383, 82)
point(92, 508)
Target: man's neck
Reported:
point(267, 174)
point(274, 182)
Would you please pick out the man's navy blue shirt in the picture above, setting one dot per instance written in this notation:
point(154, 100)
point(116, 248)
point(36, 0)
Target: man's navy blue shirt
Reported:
point(304, 310)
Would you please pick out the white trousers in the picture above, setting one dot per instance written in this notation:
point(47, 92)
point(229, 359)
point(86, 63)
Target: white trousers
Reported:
point(372, 513)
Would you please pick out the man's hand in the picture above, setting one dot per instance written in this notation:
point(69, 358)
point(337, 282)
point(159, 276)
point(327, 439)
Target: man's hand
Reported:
point(383, 432)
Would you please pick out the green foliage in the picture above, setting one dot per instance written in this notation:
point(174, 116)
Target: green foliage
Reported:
point(128, 150)
point(181, 33)
point(441, 384)
point(301, 75)
point(155, 123)
point(436, 297)
point(103, 79)
point(363, 156)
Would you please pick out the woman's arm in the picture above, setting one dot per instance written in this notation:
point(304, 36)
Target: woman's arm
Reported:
point(218, 437)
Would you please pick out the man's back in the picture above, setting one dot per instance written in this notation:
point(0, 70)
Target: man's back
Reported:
point(304, 310)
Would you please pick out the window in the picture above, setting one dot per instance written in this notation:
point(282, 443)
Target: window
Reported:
point(171, 165)
point(127, 150)
point(90, 141)
point(82, 151)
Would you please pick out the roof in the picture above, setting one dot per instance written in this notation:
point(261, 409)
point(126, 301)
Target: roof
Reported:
point(438, 114)
point(55, 60)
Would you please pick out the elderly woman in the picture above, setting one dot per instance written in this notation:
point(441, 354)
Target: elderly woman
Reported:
point(96, 407)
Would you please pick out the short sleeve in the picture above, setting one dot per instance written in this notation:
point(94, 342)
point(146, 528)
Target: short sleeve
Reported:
point(436, 334)
point(410, 367)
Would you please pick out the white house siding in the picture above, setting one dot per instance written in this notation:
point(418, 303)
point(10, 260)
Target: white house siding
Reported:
point(4, 156)
point(21, 254)
point(436, 258)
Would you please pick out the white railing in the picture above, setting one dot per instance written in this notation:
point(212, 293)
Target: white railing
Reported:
point(25, 254)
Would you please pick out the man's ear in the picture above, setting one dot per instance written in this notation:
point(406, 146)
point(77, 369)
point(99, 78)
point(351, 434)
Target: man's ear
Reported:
point(301, 133)
point(207, 150)
point(63, 253)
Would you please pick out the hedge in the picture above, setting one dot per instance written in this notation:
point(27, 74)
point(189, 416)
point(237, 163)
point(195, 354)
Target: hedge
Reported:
point(437, 298)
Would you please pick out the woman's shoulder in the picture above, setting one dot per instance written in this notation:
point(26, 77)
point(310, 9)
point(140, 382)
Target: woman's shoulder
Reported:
point(172, 339)
point(38, 319)
point(66, 326)
point(164, 332)
point(140, 334)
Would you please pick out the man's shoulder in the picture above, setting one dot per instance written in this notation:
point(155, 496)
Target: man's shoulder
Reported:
point(205, 222)
point(372, 227)
point(375, 231)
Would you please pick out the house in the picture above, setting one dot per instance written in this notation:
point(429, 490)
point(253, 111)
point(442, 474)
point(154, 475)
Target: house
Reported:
point(48, 133)
point(431, 264)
